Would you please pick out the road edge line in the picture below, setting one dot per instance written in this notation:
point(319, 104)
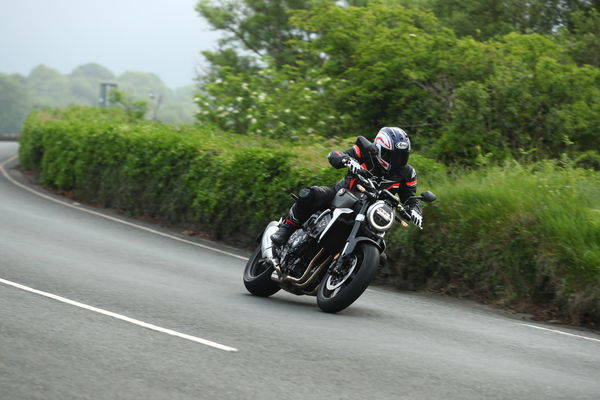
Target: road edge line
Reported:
point(13, 181)
point(560, 332)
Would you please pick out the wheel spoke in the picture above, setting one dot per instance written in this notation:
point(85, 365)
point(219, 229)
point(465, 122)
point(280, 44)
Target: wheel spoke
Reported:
point(334, 283)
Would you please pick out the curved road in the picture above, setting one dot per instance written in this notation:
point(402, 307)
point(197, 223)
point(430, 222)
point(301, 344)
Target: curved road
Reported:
point(116, 298)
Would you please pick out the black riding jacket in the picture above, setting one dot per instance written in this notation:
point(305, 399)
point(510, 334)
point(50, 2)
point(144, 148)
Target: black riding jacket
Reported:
point(402, 182)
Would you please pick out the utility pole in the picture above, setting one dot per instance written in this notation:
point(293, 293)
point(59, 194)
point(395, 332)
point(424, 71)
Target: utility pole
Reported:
point(104, 88)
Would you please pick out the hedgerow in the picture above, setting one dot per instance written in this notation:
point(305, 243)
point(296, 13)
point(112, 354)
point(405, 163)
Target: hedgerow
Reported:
point(517, 234)
point(212, 183)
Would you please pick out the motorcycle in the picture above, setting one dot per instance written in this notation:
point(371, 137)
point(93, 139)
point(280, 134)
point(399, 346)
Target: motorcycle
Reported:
point(335, 254)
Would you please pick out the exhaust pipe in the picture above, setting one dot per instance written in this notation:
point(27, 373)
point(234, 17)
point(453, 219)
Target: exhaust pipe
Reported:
point(267, 254)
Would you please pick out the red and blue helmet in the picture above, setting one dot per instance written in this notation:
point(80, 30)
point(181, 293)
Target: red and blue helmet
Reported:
point(393, 148)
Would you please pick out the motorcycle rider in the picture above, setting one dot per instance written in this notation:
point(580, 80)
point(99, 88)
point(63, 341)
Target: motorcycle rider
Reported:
point(386, 159)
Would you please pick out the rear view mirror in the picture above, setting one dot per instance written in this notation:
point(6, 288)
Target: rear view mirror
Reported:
point(428, 197)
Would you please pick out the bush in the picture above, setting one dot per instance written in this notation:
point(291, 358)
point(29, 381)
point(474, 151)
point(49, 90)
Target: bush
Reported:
point(215, 183)
point(518, 233)
point(590, 160)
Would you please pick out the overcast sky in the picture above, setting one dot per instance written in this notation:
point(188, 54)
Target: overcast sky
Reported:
point(164, 37)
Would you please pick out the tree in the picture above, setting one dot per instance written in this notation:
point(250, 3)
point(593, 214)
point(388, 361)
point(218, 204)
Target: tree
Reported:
point(583, 37)
point(15, 103)
point(141, 84)
point(534, 101)
point(260, 27)
point(178, 107)
point(261, 77)
point(92, 71)
point(379, 64)
point(85, 80)
point(48, 87)
point(135, 109)
point(393, 65)
point(484, 19)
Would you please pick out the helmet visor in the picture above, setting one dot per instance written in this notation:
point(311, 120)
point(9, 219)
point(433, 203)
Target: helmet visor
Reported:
point(396, 158)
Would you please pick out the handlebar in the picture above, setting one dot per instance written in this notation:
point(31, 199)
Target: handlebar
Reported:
point(365, 176)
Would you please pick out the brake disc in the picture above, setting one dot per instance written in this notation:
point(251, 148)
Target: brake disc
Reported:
point(333, 283)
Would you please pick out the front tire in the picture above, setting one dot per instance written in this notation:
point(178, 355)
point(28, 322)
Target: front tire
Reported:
point(257, 276)
point(337, 292)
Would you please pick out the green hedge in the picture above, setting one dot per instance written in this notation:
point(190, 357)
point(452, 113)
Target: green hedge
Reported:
point(520, 234)
point(211, 183)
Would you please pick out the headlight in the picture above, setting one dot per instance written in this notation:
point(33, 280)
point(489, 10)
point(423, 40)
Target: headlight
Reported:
point(380, 216)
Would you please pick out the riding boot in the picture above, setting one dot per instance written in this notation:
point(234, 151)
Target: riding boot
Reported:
point(286, 229)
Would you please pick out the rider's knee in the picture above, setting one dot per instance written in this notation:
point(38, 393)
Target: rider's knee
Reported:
point(306, 196)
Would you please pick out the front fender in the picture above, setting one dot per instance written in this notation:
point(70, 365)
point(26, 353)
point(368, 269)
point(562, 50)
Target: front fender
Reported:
point(354, 242)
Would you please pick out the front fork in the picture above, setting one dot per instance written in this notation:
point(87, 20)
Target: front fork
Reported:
point(354, 240)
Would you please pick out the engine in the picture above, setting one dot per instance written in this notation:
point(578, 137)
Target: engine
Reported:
point(297, 253)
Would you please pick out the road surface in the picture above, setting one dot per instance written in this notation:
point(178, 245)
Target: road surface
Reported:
point(94, 305)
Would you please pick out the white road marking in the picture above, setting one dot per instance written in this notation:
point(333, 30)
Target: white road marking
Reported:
point(77, 206)
point(105, 312)
point(560, 332)
point(120, 317)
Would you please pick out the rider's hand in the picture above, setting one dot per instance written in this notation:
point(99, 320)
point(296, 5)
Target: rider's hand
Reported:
point(416, 217)
point(353, 166)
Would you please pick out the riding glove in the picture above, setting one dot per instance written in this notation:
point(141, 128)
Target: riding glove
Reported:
point(353, 166)
point(416, 218)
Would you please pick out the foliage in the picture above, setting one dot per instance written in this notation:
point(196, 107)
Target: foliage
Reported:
point(135, 109)
point(46, 87)
point(15, 103)
point(259, 26)
point(519, 234)
point(167, 172)
point(177, 174)
point(84, 82)
point(583, 38)
point(390, 64)
point(484, 19)
point(278, 103)
point(270, 86)
point(377, 63)
point(532, 101)
point(589, 159)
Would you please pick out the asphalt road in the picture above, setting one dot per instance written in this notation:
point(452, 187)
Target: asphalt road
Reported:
point(388, 345)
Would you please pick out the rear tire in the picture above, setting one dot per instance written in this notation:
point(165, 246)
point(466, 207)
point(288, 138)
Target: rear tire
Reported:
point(332, 296)
point(257, 276)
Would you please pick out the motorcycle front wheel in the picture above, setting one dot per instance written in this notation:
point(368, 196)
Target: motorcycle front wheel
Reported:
point(257, 276)
point(338, 290)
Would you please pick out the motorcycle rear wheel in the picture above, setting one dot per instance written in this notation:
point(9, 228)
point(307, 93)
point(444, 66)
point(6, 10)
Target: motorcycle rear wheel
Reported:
point(257, 276)
point(338, 292)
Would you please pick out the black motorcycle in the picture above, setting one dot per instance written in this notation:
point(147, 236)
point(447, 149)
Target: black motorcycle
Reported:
point(335, 253)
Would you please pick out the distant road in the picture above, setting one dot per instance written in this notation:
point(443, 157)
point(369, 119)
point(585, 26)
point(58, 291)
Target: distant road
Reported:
point(94, 308)
point(12, 137)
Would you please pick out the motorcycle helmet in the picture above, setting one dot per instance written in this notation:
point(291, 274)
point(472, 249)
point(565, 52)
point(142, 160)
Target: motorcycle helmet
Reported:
point(393, 147)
